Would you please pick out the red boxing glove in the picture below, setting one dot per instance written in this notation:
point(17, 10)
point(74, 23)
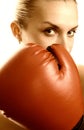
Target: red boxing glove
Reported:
point(38, 93)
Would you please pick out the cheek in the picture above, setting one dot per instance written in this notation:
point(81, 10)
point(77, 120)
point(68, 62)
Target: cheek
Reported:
point(70, 46)
point(46, 41)
point(42, 40)
point(38, 38)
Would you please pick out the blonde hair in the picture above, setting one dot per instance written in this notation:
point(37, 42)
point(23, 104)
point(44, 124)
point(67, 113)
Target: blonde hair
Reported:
point(24, 10)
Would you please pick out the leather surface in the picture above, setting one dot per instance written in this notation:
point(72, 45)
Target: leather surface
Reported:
point(38, 93)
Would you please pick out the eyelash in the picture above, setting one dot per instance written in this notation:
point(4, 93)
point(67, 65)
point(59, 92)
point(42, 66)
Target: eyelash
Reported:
point(50, 31)
point(69, 33)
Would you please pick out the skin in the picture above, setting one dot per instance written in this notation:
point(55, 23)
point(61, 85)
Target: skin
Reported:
point(81, 74)
point(52, 21)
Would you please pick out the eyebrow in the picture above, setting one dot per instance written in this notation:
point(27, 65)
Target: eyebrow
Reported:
point(57, 27)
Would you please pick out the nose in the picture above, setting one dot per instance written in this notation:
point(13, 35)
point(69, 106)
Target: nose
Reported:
point(62, 39)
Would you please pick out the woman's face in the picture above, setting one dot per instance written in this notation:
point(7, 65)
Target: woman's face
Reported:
point(53, 21)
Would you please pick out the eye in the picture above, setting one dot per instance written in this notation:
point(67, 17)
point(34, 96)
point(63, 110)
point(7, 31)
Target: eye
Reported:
point(71, 33)
point(50, 31)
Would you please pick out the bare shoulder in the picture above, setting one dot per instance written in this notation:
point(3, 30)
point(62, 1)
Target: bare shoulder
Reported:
point(81, 73)
point(81, 69)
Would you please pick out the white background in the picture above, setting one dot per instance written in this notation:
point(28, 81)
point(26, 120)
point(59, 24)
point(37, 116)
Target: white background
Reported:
point(8, 43)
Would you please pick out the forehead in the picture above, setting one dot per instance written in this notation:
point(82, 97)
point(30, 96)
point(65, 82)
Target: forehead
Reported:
point(57, 11)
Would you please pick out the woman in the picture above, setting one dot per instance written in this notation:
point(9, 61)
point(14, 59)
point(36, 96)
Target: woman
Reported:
point(46, 22)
